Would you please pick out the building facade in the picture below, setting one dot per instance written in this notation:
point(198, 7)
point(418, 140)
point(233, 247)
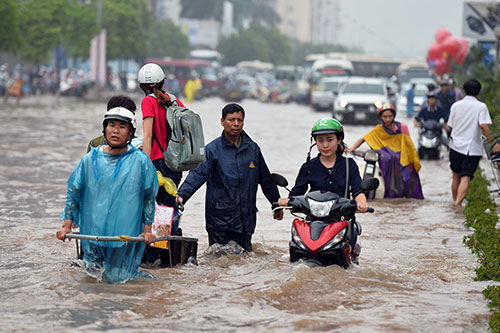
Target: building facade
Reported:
point(315, 21)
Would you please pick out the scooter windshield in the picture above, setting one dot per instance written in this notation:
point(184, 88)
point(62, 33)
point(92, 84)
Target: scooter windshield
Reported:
point(322, 196)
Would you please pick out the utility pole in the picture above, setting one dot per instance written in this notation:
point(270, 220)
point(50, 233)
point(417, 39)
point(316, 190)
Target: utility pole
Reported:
point(98, 58)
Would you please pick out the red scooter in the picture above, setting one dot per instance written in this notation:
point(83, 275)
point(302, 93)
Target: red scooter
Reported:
point(321, 237)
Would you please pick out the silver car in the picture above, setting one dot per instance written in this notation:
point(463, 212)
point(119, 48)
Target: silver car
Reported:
point(324, 93)
point(359, 100)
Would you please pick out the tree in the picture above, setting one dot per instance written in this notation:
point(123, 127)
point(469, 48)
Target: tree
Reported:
point(258, 11)
point(202, 9)
point(278, 46)
point(125, 29)
point(256, 43)
point(79, 26)
point(40, 22)
point(166, 39)
point(10, 38)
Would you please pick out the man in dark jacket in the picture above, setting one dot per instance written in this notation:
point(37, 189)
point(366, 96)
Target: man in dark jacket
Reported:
point(445, 98)
point(233, 169)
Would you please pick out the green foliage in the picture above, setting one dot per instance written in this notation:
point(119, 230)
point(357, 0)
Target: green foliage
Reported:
point(243, 11)
point(473, 67)
point(79, 26)
point(51, 23)
point(40, 22)
point(256, 43)
point(480, 214)
point(167, 40)
point(10, 38)
point(202, 9)
point(493, 293)
point(126, 36)
point(258, 11)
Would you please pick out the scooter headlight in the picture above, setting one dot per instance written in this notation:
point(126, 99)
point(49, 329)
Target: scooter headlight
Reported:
point(428, 143)
point(335, 240)
point(343, 103)
point(320, 209)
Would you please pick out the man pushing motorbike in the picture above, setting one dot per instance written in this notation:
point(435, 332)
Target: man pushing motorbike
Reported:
point(233, 169)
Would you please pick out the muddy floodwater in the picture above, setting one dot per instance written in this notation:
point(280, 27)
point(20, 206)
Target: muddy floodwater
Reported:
point(414, 273)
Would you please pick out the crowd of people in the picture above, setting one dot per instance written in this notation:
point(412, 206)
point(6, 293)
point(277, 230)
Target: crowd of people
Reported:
point(40, 80)
point(115, 172)
point(114, 188)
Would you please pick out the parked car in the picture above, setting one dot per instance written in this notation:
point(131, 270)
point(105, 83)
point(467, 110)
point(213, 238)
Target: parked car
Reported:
point(359, 100)
point(325, 91)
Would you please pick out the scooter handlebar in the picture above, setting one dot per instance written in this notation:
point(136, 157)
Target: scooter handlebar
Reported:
point(370, 210)
point(358, 153)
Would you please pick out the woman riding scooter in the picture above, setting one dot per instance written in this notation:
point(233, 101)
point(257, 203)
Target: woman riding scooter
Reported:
point(330, 171)
point(398, 157)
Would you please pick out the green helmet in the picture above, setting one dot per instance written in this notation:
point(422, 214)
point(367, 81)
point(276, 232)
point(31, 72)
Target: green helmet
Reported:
point(326, 126)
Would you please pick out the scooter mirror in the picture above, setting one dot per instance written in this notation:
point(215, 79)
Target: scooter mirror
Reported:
point(371, 156)
point(279, 180)
point(369, 184)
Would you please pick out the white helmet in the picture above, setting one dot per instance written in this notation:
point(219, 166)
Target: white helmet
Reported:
point(120, 113)
point(150, 73)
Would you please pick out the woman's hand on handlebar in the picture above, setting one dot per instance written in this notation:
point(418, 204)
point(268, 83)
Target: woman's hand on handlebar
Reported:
point(283, 202)
point(362, 207)
point(361, 203)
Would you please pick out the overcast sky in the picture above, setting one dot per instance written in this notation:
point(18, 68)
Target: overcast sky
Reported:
point(398, 28)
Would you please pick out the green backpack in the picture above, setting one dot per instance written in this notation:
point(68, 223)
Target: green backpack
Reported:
point(186, 147)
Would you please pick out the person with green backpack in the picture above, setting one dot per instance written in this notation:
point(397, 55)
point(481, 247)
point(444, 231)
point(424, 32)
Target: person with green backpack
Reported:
point(156, 132)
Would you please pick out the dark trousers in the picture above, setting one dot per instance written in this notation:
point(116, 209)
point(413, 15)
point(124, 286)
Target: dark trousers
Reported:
point(223, 237)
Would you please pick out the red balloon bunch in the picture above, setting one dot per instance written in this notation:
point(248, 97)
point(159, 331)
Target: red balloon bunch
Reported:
point(446, 52)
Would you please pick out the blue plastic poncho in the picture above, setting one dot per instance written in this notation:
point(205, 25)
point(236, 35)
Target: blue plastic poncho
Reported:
point(110, 195)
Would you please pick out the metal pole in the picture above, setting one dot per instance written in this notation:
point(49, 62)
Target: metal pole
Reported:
point(127, 238)
point(98, 60)
point(497, 58)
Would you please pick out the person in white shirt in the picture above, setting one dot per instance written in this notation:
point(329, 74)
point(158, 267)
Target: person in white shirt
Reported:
point(469, 118)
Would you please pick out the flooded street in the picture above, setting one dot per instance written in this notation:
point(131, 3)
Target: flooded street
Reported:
point(415, 274)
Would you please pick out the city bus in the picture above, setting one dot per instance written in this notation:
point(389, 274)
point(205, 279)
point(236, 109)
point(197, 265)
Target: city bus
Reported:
point(412, 69)
point(183, 69)
point(330, 67)
point(368, 65)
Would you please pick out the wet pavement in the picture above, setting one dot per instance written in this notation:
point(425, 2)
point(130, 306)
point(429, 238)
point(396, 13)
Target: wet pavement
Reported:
point(414, 275)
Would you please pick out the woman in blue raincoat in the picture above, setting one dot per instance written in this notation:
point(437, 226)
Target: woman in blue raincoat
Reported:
point(111, 192)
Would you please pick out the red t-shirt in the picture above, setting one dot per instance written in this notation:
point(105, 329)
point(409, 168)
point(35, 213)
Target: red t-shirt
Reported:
point(151, 108)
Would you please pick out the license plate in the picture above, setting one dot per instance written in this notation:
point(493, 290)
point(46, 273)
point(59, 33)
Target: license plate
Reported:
point(360, 116)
